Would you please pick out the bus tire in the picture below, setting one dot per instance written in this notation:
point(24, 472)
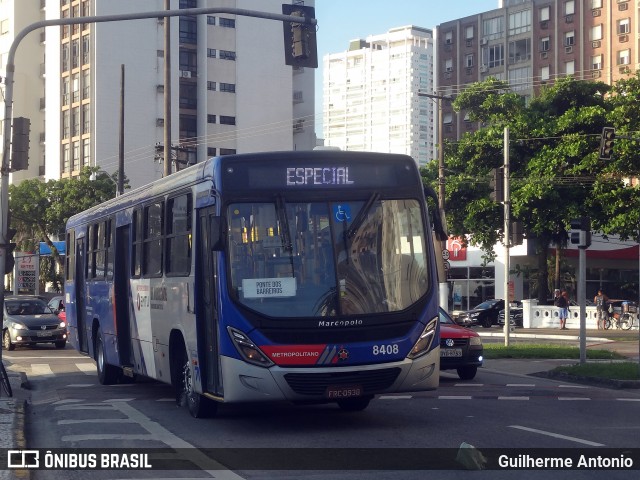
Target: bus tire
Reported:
point(198, 405)
point(354, 404)
point(107, 374)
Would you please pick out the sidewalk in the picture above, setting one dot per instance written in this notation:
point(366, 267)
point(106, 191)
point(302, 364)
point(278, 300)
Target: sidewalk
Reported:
point(12, 412)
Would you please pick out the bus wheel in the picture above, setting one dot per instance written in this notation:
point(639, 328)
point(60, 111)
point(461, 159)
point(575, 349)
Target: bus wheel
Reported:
point(107, 374)
point(198, 405)
point(354, 404)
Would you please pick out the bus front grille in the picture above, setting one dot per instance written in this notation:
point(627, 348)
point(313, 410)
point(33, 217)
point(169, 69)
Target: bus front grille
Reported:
point(371, 381)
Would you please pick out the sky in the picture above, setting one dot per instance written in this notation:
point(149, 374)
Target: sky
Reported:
point(340, 21)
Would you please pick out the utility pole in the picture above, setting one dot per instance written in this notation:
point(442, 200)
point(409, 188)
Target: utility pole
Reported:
point(507, 237)
point(167, 91)
point(444, 286)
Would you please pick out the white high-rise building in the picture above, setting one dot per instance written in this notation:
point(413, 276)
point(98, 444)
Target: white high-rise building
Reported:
point(231, 91)
point(371, 95)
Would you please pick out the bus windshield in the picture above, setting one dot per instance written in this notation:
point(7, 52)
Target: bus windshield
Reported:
point(323, 259)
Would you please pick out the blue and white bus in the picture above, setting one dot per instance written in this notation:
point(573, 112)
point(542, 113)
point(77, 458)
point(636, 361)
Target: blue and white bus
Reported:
point(298, 276)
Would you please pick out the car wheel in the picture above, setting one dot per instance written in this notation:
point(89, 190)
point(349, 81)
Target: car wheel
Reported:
point(467, 372)
point(6, 341)
point(354, 404)
point(486, 322)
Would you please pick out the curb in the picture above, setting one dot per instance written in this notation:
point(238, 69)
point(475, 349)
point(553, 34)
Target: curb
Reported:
point(593, 381)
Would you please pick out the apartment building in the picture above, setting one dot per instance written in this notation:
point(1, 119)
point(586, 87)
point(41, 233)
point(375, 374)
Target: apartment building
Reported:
point(371, 95)
point(230, 88)
point(529, 43)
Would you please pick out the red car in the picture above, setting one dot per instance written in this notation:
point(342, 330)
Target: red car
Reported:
point(460, 348)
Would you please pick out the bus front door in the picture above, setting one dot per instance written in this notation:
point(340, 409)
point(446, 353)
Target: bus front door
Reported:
point(80, 293)
point(206, 308)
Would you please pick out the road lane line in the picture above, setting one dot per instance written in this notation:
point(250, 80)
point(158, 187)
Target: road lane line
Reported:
point(41, 370)
point(571, 399)
point(455, 397)
point(628, 399)
point(513, 398)
point(394, 397)
point(521, 384)
point(557, 435)
point(469, 385)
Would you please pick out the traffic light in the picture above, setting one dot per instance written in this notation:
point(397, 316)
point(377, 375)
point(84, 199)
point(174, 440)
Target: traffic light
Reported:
point(497, 183)
point(9, 261)
point(20, 144)
point(300, 45)
point(581, 232)
point(606, 143)
point(517, 235)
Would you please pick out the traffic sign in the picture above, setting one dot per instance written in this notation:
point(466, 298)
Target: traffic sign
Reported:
point(445, 254)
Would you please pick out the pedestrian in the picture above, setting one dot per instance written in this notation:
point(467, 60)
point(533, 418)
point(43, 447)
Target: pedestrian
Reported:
point(562, 303)
point(601, 301)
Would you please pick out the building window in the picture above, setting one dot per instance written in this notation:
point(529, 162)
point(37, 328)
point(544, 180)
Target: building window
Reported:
point(569, 7)
point(468, 32)
point(211, 86)
point(4, 26)
point(188, 95)
point(448, 37)
point(493, 56)
point(544, 73)
point(188, 60)
point(75, 53)
point(448, 65)
point(66, 124)
point(86, 118)
point(227, 151)
point(211, 20)
point(596, 62)
point(211, 151)
point(623, 26)
point(211, 119)
point(66, 158)
point(227, 120)
point(227, 22)
point(544, 14)
point(520, 78)
point(519, 22)
point(75, 156)
point(596, 32)
point(211, 52)
point(86, 49)
point(544, 44)
point(469, 60)
point(569, 38)
point(596, 4)
point(75, 122)
point(86, 84)
point(447, 118)
point(86, 152)
point(188, 126)
point(66, 48)
point(188, 30)
point(624, 57)
point(570, 67)
point(493, 27)
point(227, 55)
point(65, 91)
point(228, 87)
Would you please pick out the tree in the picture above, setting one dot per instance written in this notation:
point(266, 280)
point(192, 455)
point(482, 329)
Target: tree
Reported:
point(40, 210)
point(555, 171)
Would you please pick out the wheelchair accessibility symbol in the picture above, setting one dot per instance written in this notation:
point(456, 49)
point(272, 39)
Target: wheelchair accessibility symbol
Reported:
point(342, 213)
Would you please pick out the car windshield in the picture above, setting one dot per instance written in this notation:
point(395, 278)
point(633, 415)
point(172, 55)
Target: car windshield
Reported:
point(484, 305)
point(26, 307)
point(325, 259)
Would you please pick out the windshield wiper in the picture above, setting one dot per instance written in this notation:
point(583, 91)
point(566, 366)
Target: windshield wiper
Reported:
point(362, 214)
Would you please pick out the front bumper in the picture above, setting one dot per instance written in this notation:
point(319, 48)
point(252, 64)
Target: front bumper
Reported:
point(472, 356)
point(247, 383)
point(25, 337)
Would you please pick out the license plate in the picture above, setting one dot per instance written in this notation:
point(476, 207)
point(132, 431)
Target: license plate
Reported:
point(44, 333)
point(450, 352)
point(338, 392)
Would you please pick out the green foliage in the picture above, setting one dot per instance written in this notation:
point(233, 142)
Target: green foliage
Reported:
point(40, 210)
point(532, 350)
point(555, 173)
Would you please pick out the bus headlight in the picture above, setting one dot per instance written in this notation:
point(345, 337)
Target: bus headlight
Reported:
point(247, 349)
point(424, 342)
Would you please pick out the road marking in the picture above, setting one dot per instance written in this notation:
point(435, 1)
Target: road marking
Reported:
point(96, 420)
point(395, 397)
point(80, 385)
point(469, 385)
point(85, 406)
point(166, 400)
point(68, 400)
point(513, 398)
point(521, 384)
point(41, 370)
point(557, 435)
point(572, 386)
point(628, 399)
point(570, 399)
point(86, 368)
point(455, 397)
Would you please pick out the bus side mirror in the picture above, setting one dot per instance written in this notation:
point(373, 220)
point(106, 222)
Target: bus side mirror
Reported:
point(439, 220)
point(216, 233)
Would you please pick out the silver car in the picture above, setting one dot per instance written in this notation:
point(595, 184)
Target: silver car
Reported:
point(28, 320)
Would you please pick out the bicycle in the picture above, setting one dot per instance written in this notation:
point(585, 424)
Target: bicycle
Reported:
point(622, 320)
point(4, 380)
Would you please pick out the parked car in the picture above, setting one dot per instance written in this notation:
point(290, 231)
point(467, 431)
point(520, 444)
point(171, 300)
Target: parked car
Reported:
point(515, 315)
point(485, 314)
point(27, 320)
point(460, 348)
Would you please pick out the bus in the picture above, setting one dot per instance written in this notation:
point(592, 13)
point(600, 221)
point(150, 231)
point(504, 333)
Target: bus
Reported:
point(307, 277)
